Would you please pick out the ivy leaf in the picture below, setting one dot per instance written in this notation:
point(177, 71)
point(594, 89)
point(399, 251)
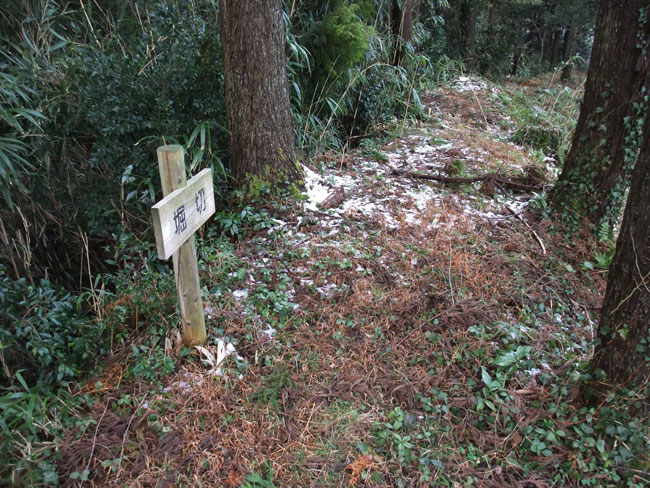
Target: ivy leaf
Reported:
point(512, 356)
point(485, 377)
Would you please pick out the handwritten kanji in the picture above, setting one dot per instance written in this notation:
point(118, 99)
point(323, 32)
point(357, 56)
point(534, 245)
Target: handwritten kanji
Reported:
point(199, 199)
point(179, 219)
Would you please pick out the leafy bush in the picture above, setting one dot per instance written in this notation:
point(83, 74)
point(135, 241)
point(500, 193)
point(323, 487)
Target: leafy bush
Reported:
point(342, 74)
point(17, 119)
point(31, 417)
point(107, 103)
point(543, 120)
point(168, 82)
point(337, 44)
point(44, 334)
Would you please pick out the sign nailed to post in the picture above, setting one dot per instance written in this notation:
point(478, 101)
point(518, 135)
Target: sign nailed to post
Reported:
point(184, 208)
point(180, 214)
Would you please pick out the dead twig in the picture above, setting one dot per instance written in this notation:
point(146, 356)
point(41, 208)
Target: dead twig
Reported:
point(440, 179)
point(126, 432)
point(92, 450)
point(539, 240)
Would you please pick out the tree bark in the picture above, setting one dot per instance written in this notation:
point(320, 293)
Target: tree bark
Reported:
point(623, 345)
point(402, 21)
point(604, 147)
point(490, 31)
point(514, 67)
point(262, 147)
point(468, 25)
point(568, 50)
point(558, 36)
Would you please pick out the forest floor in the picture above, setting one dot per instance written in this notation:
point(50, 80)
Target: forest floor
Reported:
point(414, 333)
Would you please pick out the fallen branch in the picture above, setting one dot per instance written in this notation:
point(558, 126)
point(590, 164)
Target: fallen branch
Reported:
point(495, 177)
point(92, 450)
point(441, 179)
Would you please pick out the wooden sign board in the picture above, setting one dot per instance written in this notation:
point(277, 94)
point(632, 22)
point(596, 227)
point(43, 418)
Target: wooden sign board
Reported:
point(180, 214)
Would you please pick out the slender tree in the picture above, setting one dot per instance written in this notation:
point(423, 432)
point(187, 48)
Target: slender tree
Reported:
point(468, 16)
point(623, 347)
point(596, 172)
point(568, 50)
point(262, 148)
point(403, 17)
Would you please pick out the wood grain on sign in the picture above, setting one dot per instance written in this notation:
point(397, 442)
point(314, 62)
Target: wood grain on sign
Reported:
point(177, 216)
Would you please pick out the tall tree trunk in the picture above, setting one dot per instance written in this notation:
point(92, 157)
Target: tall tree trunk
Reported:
point(623, 346)
point(558, 35)
point(402, 21)
point(262, 148)
point(493, 6)
point(546, 39)
point(490, 30)
point(605, 143)
point(468, 26)
point(568, 50)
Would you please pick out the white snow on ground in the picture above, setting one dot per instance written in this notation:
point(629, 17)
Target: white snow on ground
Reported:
point(240, 294)
point(373, 193)
point(466, 83)
point(317, 191)
point(269, 332)
point(399, 201)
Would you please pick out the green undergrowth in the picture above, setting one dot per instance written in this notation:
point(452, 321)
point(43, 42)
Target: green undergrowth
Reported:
point(550, 437)
point(329, 384)
point(52, 341)
point(542, 117)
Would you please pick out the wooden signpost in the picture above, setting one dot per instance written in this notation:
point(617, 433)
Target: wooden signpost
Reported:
point(186, 205)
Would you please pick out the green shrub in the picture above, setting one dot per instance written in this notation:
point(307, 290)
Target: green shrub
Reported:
point(168, 82)
point(17, 120)
point(44, 335)
point(338, 43)
point(30, 419)
point(109, 93)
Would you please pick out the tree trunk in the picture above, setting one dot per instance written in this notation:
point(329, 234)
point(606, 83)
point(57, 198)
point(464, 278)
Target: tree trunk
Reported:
point(604, 147)
point(514, 67)
point(490, 20)
point(568, 50)
point(623, 346)
point(468, 25)
point(555, 47)
point(490, 30)
point(402, 21)
point(546, 39)
point(262, 148)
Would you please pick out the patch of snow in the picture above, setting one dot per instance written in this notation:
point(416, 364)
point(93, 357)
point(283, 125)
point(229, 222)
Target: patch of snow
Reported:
point(240, 294)
point(551, 167)
point(533, 372)
point(327, 290)
point(465, 83)
point(270, 332)
point(316, 191)
point(209, 312)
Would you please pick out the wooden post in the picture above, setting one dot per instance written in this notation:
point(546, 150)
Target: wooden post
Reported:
point(171, 164)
